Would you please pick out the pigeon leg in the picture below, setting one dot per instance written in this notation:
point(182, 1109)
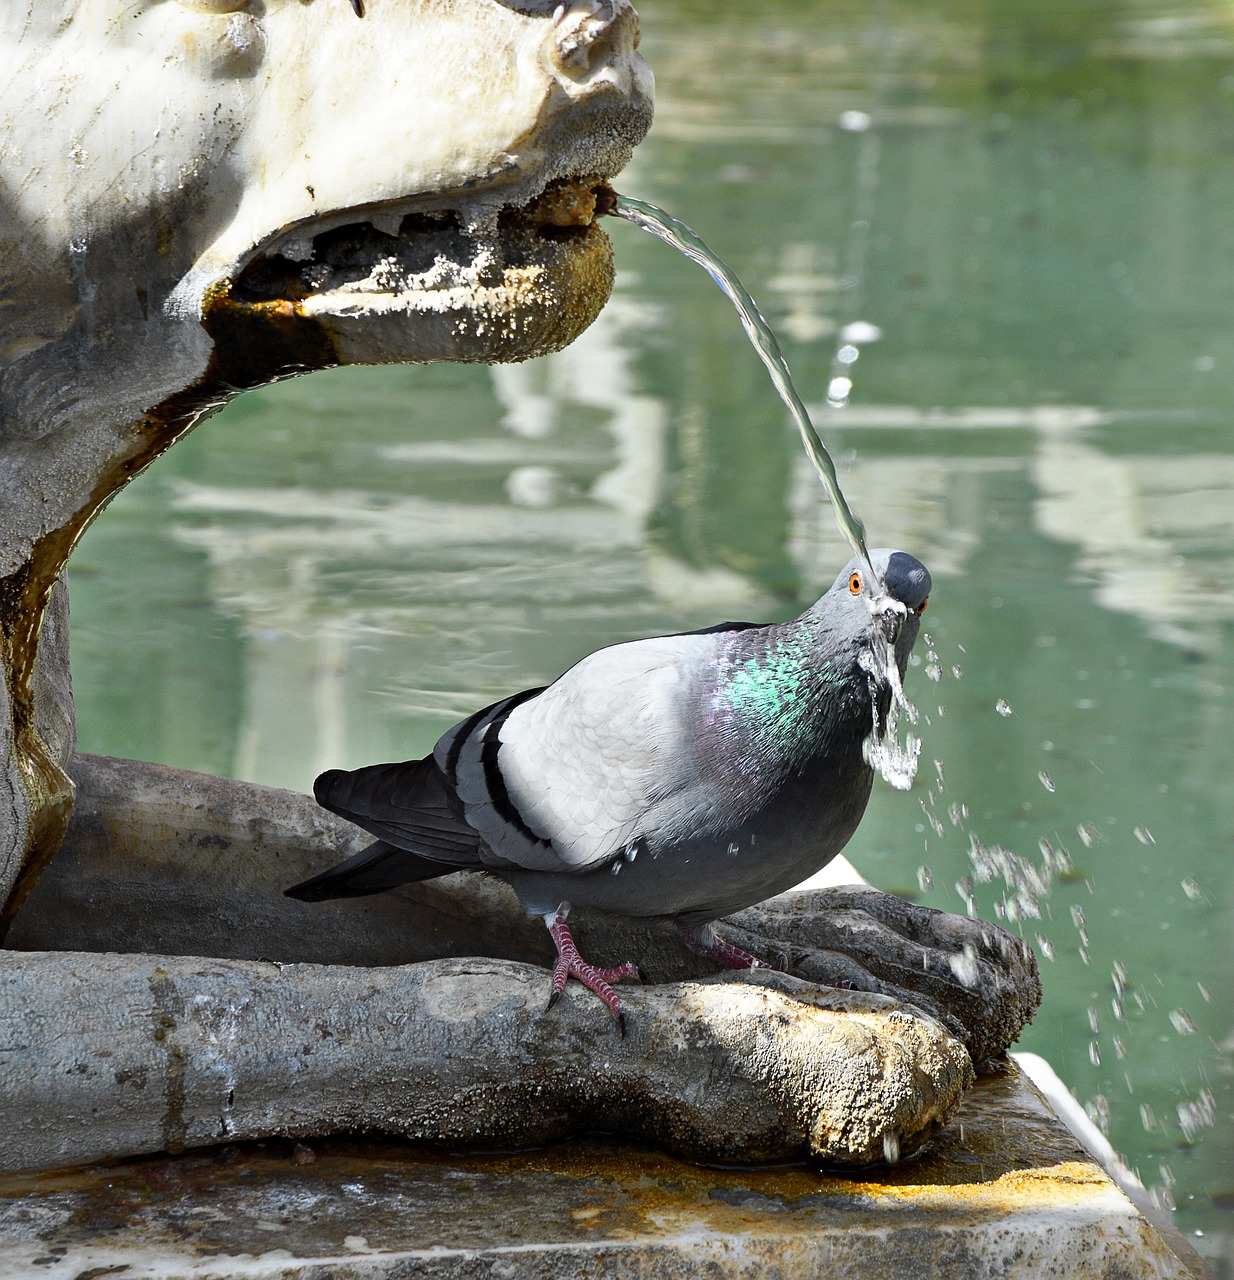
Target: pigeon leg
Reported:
point(704, 942)
point(571, 964)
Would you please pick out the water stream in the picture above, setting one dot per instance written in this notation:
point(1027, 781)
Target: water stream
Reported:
point(685, 239)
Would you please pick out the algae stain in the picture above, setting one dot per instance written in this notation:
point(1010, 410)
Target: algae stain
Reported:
point(166, 1013)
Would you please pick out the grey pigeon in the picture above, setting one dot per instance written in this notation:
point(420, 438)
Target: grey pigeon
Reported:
point(685, 776)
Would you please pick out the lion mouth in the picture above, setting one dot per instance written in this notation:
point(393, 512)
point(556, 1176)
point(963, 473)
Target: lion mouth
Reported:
point(398, 284)
point(412, 255)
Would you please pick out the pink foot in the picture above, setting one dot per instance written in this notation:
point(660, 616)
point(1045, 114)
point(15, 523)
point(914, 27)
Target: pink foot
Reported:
point(571, 965)
point(704, 942)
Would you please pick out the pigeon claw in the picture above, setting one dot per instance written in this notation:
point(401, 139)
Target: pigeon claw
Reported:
point(707, 943)
point(570, 964)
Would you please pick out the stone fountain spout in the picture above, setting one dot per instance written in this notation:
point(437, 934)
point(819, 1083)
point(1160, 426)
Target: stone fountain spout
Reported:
point(197, 197)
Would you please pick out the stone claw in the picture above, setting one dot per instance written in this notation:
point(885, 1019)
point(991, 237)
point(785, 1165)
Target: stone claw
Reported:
point(978, 980)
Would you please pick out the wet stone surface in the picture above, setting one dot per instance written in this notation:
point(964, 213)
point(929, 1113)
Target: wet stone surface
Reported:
point(1004, 1191)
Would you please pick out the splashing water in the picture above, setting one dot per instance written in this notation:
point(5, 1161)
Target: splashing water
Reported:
point(684, 239)
point(896, 762)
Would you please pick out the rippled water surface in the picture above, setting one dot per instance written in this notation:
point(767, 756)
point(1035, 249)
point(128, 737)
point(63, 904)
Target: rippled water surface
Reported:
point(997, 245)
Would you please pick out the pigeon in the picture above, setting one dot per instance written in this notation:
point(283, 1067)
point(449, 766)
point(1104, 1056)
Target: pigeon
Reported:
point(684, 776)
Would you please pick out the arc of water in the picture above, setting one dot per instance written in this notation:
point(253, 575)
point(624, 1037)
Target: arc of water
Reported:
point(687, 241)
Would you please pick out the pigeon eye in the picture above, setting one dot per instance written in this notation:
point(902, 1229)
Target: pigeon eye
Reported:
point(921, 608)
point(854, 584)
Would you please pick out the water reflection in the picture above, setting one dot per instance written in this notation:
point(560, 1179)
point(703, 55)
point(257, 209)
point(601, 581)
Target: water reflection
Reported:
point(1033, 230)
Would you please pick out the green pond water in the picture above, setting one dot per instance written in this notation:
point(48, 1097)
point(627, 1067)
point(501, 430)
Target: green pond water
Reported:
point(1028, 212)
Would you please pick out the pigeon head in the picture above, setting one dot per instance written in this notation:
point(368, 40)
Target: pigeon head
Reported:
point(884, 596)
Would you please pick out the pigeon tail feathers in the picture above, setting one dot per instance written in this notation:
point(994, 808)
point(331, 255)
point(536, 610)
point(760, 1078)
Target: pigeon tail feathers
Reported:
point(374, 869)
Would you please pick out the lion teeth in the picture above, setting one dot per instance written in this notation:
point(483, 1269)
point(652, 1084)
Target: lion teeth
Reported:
point(387, 222)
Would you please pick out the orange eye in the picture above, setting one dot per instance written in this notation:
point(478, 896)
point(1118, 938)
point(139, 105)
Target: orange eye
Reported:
point(854, 584)
point(921, 608)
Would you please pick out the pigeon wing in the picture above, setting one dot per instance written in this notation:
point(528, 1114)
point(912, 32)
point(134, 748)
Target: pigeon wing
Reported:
point(406, 804)
point(564, 779)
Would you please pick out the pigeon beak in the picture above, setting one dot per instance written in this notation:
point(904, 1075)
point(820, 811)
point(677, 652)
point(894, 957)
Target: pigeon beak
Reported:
point(891, 615)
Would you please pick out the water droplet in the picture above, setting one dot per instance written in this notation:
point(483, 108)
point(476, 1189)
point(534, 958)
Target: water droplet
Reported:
point(1205, 992)
point(1093, 1024)
point(1089, 835)
point(838, 391)
point(1182, 1022)
point(1191, 887)
point(1003, 707)
point(891, 1148)
point(631, 851)
point(1195, 1115)
point(1045, 946)
point(1077, 919)
point(1119, 977)
point(1143, 835)
point(1046, 781)
point(957, 673)
point(1116, 1007)
point(1094, 1053)
point(933, 819)
point(1120, 1049)
point(1098, 1110)
point(925, 879)
point(1189, 1119)
point(734, 848)
point(1148, 1118)
point(861, 331)
point(933, 672)
point(964, 888)
point(964, 966)
point(1057, 861)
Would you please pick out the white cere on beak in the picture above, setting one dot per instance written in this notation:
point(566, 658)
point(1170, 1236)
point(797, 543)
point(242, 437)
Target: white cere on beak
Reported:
point(890, 614)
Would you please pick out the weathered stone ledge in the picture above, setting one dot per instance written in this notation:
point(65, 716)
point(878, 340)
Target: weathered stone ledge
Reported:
point(1005, 1191)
